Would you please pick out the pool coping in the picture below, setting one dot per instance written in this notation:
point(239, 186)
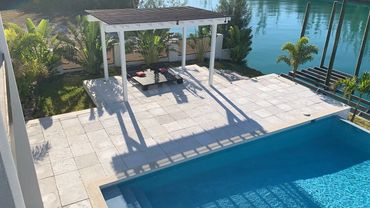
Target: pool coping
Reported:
point(94, 188)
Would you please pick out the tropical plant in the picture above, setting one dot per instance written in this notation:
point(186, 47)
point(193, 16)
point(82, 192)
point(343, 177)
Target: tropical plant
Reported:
point(298, 53)
point(83, 44)
point(352, 85)
point(200, 42)
point(239, 41)
point(32, 54)
point(151, 43)
point(237, 33)
point(36, 43)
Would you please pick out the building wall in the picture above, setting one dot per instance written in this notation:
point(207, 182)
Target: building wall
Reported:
point(6, 198)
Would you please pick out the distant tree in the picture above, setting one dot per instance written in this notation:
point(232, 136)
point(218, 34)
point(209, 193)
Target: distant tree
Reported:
point(82, 44)
point(352, 85)
point(298, 53)
point(237, 33)
point(239, 42)
point(199, 41)
point(160, 3)
point(238, 9)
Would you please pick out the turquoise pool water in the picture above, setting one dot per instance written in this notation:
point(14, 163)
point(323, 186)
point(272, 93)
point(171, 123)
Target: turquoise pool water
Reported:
point(275, 22)
point(321, 164)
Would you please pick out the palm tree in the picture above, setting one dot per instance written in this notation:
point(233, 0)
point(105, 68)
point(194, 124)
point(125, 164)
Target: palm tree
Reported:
point(298, 53)
point(353, 85)
point(83, 44)
point(200, 42)
point(151, 43)
point(43, 28)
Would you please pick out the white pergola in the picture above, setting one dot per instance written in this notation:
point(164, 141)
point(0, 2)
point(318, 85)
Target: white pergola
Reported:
point(121, 20)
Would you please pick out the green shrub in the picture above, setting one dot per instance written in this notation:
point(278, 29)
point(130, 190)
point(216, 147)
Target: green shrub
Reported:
point(239, 42)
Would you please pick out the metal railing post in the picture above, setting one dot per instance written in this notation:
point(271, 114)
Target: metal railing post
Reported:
point(362, 49)
point(305, 20)
point(336, 42)
point(331, 20)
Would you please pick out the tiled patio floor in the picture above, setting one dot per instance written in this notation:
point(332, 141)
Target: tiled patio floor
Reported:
point(159, 127)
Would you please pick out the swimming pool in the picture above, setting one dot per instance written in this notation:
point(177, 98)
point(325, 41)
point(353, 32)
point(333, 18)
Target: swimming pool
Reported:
point(325, 163)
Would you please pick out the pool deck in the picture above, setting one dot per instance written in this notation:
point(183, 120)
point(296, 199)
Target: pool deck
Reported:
point(77, 152)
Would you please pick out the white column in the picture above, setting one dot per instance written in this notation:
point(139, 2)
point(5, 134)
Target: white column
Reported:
point(183, 62)
point(121, 36)
point(212, 55)
point(104, 49)
point(19, 142)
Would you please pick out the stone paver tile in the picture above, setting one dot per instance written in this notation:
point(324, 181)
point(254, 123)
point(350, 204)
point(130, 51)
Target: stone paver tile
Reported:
point(154, 154)
point(49, 193)
point(87, 160)
point(71, 188)
point(81, 148)
point(44, 170)
point(52, 128)
point(162, 138)
point(157, 111)
point(78, 139)
point(173, 126)
point(164, 119)
point(156, 130)
point(74, 130)
point(111, 121)
point(64, 166)
point(134, 159)
point(92, 173)
point(57, 154)
point(100, 140)
point(81, 204)
point(263, 113)
point(185, 123)
point(92, 126)
point(33, 129)
point(72, 122)
point(36, 138)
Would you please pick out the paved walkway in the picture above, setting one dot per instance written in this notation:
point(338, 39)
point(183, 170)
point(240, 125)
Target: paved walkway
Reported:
point(159, 127)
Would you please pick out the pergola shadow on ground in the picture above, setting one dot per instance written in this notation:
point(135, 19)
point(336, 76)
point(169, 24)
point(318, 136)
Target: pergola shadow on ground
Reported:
point(161, 126)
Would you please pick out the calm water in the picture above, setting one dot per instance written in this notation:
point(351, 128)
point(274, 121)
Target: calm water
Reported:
point(328, 168)
point(277, 21)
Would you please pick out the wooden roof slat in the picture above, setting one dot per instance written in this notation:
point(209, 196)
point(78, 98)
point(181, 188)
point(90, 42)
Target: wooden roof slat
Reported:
point(133, 16)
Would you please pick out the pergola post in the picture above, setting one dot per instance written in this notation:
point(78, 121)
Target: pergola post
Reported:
point(121, 36)
point(212, 55)
point(363, 44)
point(183, 62)
point(104, 49)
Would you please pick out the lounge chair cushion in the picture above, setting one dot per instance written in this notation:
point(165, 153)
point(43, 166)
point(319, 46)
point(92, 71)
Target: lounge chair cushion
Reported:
point(140, 74)
point(163, 70)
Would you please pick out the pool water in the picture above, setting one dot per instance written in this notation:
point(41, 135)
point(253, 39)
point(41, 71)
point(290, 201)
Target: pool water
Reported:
point(325, 163)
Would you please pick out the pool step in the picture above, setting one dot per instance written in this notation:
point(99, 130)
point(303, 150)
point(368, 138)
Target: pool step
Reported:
point(140, 195)
point(113, 197)
point(130, 198)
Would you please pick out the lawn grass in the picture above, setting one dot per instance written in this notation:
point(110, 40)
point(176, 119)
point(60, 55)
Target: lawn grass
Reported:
point(62, 94)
